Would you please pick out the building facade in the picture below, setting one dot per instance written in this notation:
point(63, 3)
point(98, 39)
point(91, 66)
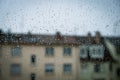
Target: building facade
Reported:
point(53, 57)
point(114, 46)
point(95, 59)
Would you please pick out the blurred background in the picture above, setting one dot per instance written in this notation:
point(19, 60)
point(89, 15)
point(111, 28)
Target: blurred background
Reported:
point(75, 17)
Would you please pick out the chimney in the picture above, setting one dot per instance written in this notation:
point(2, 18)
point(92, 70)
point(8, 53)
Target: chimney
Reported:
point(2, 37)
point(97, 37)
point(89, 38)
point(58, 36)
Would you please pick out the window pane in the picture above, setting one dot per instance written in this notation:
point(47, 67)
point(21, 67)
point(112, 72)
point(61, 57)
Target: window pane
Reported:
point(84, 67)
point(49, 68)
point(49, 51)
point(0, 70)
point(0, 51)
point(32, 76)
point(97, 51)
point(33, 59)
point(67, 51)
point(118, 71)
point(15, 69)
point(16, 51)
point(83, 53)
point(97, 67)
point(67, 68)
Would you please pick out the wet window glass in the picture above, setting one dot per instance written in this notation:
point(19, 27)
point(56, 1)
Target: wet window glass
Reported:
point(60, 36)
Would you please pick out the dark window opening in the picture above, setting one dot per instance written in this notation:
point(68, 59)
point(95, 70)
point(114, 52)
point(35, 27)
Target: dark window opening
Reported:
point(0, 51)
point(32, 76)
point(118, 49)
point(0, 70)
point(110, 66)
point(97, 67)
point(118, 72)
point(33, 59)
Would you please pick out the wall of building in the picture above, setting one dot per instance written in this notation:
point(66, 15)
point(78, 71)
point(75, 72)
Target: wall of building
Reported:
point(90, 74)
point(41, 59)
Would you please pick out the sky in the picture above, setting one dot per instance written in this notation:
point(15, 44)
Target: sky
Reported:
point(70, 17)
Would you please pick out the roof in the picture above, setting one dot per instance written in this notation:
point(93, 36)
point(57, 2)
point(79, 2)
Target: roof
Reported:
point(58, 39)
point(51, 39)
point(38, 39)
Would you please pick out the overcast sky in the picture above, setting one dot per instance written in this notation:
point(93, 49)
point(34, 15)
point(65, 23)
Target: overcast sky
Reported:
point(71, 17)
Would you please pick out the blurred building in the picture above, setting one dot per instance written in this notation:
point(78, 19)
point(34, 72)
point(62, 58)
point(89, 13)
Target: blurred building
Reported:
point(95, 58)
point(113, 45)
point(55, 57)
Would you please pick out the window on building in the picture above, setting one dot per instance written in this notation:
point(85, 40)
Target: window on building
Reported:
point(118, 49)
point(97, 51)
point(118, 72)
point(67, 68)
point(84, 67)
point(16, 51)
point(97, 68)
point(83, 53)
point(33, 76)
point(49, 51)
point(15, 69)
point(100, 51)
point(49, 68)
point(0, 51)
point(33, 59)
point(33, 39)
point(0, 70)
point(67, 51)
point(94, 51)
point(110, 66)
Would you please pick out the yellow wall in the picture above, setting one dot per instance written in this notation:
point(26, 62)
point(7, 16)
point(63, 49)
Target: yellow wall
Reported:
point(39, 68)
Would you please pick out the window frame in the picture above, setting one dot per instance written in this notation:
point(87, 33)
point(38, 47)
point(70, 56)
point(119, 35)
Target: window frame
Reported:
point(48, 71)
point(97, 68)
point(118, 71)
point(13, 54)
point(32, 75)
point(51, 53)
point(67, 51)
point(0, 51)
point(85, 53)
point(96, 51)
point(69, 71)
point(84, 67)
point(12, 71)
point(0, 70)
point(33, 59)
